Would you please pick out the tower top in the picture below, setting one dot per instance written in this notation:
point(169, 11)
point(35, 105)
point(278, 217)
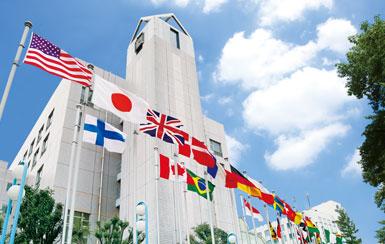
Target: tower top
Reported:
point(165, 17)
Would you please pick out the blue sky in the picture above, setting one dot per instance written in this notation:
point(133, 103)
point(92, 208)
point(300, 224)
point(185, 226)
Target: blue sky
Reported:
point(265, 69)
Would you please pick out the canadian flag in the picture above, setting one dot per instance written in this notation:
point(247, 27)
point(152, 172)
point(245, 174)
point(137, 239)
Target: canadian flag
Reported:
point(167, 169)
point(122, 103)
point(251, 211)
point(198, 150)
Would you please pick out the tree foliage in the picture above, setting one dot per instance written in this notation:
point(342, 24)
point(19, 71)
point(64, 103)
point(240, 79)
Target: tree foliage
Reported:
point(80, 234)
point(202, 235)
point(111, 232)
point(365, 74)
point(380, 234)
point(347, 227)
point(40, 217)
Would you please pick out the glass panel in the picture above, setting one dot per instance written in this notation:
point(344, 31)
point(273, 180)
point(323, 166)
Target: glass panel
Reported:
point(175, 38)
point(216, 148)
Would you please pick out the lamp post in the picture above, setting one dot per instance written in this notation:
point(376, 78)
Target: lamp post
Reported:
point(15, 193)
point(232, 238)
point(141, 220)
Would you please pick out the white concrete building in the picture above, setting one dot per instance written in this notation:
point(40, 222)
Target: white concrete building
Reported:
point(322, 215)
point(161, 69)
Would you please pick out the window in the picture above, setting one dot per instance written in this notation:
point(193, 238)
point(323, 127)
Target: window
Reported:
point(38, 176)
point(31, 147)
point(49, 121)
point(40, 134)
point(175, 38)
point(83, 94)
point(139, 43)
point(216, 148)
point(25, 155)
point(44, 146)
point(9, 184)
point(34, 161)
point(81, 221)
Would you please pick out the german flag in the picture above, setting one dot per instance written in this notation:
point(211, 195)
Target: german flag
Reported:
point(235, 179)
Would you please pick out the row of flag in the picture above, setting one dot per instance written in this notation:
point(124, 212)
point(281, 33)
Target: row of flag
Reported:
point(130, 107)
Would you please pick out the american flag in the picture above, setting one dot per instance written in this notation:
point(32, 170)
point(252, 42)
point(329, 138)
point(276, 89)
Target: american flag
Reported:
point(163, 127)
point(49, 57)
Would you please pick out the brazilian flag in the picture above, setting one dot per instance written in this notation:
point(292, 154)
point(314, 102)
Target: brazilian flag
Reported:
point(198, 185)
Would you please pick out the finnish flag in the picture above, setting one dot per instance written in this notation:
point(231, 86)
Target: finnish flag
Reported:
point(100, 133)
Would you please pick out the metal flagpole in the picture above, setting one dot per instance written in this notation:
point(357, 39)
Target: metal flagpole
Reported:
point(70, 169)
point(74, 184)
point(253, 220)
point(244, 219)
point(268, 221)
point(209, 207)
point(156, 156)
point(176, 194)
point(295, 229)
point(101, 179)
point(15, 64)
point(186, 211)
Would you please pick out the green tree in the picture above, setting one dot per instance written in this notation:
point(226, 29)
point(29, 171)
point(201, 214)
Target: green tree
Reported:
point(202, 235)
point(347, 227)
point(1, 222)
point(80, 234)
point(380, 234)
point(111, 232)
point(40, 217)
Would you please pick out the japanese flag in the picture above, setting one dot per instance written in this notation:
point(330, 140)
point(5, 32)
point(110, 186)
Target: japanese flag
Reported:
point(122, 103)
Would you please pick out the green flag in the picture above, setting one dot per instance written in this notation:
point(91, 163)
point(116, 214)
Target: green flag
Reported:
point(327, 236)
point(198, 185)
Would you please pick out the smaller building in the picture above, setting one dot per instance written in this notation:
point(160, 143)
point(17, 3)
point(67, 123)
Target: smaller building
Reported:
point(5, 183)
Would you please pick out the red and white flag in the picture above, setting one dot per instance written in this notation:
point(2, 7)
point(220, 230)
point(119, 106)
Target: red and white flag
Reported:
point(251, 211)
point(167, 169)
point(50, 58)
point(198, 151)
point(122, 103)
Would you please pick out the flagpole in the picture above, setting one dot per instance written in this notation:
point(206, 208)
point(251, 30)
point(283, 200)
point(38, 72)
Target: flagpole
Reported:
point(244, 219)
point(252, 219)
point(176, 195)
point(75, 182)
point(295, 230)
point(15, 64)
point(156, 155)
point(209, 206)
point(101, 178)
point(186, 211)
point(70, 169)
point(268, 221)
point(234, 206)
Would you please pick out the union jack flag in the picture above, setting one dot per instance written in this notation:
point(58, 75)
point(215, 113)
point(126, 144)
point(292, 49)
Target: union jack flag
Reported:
point(163, 127)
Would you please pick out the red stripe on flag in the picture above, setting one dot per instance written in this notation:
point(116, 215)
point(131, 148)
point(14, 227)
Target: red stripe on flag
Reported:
point(164, 163)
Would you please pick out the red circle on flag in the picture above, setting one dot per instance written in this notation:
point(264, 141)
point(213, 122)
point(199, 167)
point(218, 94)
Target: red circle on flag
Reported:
point(121, 102)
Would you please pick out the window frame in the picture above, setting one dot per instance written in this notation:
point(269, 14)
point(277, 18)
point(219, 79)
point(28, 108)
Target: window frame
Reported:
point(39, 134)
point(44, 145)
point(31, 147)
point(216, 153)
point(49, 120)
point(176, 40)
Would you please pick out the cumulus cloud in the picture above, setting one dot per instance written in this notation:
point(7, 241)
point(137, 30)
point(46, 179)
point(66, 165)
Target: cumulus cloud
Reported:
point(304, 109)
point(294, 152)
point(273, 11)
point(212, 5)
point(307, 99)
point(353, 168)
point(225, 100)
point(260, 59)
point(179, 3)
point(333, 35)
point(235, 147)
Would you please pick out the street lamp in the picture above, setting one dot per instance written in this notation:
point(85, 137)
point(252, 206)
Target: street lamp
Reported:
point(232, 238)
point(15, 192)
point(141, 220)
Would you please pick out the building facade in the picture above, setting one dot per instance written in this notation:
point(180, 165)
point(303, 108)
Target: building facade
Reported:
point(161, 69)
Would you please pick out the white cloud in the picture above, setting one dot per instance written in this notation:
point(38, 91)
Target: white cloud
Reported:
point(207, 97)
point(296, 152)
point(259, 60)
point(200, 58)
point(353, 168)
point(224, 100)
point(179, 3)
point(235, 147)
point(212, 5)
point(333, 35)
point(307, 99)
point(273, 11)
